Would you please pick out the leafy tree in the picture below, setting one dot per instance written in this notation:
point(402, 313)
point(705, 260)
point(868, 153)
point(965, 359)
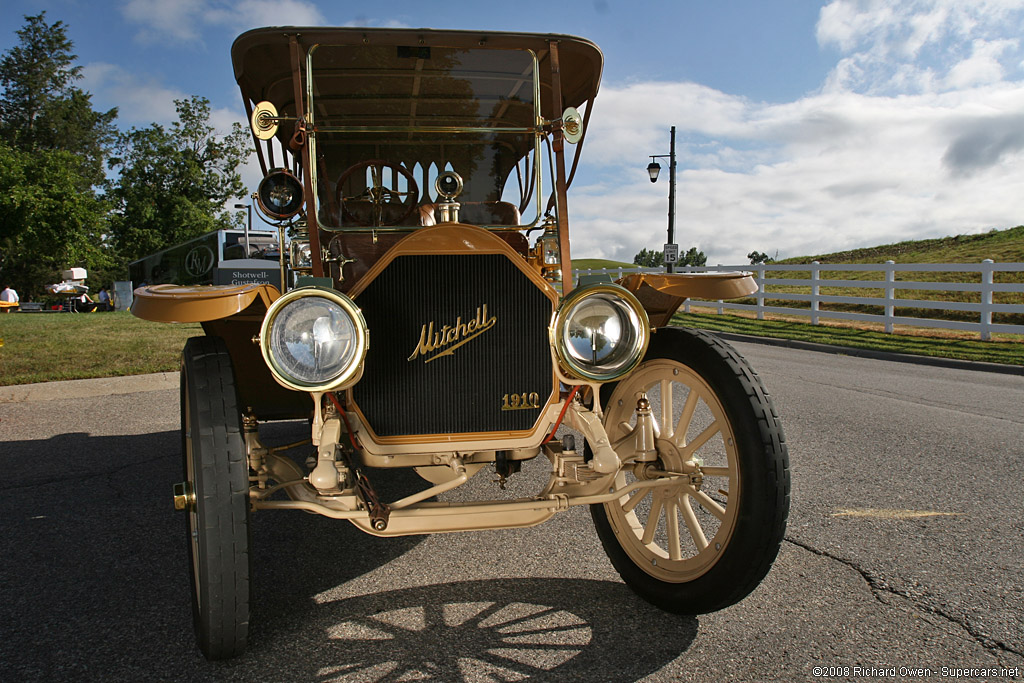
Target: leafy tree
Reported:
point(42, 109)
point(47, 223)
point(173, 185)
point(757, 257)
point(693, 257)
point(649, 258)
point(52, 149)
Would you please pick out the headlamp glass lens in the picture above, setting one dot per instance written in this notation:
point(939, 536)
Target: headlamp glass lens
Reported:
point(281, 196)
point(313, 340)
point(601, 334)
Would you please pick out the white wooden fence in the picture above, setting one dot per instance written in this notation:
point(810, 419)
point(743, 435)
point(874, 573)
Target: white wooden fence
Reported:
point(983, 309)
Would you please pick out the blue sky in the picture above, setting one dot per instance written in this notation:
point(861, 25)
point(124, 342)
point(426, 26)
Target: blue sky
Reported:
point(803, 127)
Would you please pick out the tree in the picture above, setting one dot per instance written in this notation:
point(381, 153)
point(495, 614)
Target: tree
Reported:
point(693, 257)
point(649, 258)
point(52, 151)
point(42, 109)
point(757, 257)
point(47, 223)
point(173, 185)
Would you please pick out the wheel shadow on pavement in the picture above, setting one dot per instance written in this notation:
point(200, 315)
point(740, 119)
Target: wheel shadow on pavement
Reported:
point(498, 629)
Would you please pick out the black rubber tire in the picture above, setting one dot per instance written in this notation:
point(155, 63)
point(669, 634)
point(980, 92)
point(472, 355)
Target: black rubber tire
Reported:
point(215, 462)
point(764, 481)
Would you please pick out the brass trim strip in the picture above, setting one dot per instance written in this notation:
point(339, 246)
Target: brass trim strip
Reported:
point(422, 129)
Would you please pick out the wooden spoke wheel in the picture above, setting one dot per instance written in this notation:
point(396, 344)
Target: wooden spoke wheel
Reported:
point(705, 542)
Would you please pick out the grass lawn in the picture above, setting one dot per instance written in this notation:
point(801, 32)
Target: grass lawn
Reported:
point(43, 347)
point(1006, 349)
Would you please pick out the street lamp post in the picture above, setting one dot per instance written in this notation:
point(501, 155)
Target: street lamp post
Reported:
point(248, 225)
point(652, 169)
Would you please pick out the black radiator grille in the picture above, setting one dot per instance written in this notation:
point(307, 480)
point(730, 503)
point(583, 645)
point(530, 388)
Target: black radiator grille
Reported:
point(495, 345)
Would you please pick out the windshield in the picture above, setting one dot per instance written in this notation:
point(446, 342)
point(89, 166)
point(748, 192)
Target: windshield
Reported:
point(388, 119)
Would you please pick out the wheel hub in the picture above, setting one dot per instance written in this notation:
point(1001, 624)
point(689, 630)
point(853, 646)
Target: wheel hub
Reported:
point(184, 496)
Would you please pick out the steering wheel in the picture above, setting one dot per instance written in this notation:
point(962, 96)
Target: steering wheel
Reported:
point(380, 197)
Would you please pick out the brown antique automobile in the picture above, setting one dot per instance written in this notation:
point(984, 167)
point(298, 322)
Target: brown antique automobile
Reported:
point(430, 321)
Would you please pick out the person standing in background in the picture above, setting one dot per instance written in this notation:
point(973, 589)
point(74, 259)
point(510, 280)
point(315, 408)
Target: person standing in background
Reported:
point(104, 300)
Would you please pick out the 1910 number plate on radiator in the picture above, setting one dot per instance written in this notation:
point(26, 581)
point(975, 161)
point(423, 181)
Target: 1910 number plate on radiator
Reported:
point(523, 401)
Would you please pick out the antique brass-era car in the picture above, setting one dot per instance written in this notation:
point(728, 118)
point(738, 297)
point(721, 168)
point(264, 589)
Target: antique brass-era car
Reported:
point(423, 330)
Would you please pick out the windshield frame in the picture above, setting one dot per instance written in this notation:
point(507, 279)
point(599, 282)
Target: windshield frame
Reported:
point(537, 130)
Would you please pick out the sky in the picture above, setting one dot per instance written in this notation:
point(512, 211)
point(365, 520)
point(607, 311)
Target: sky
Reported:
point(802, 127)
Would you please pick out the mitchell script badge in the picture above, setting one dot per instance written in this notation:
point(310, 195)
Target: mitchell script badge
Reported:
point(450, 337)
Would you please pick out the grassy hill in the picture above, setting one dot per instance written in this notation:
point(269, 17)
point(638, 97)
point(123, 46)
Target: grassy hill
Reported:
point(1002, 246)
point(598, 263)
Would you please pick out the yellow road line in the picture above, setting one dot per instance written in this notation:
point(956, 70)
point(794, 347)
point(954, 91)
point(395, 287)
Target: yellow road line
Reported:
point(890, 514)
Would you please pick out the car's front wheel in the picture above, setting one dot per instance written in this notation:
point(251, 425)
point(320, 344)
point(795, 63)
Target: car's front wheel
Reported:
point(705, 542)
point(217, 490)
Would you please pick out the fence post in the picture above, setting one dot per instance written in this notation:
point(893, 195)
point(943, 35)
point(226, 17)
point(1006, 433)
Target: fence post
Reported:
point(890, 295)
point(721, 309)
point(815, 291)
point(760, 293)
point(986, 298)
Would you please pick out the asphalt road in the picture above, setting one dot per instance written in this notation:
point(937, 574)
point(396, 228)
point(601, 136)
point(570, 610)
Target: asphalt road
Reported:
point(905, 549)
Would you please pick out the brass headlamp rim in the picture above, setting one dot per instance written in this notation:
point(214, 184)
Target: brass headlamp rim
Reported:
point(573, 369)
point(347, 377)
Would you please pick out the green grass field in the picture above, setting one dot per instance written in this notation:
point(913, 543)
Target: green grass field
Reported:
point(1004, 349)
point(43, 347)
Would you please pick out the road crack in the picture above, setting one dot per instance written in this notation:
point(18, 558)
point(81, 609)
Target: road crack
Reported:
point(879, 586)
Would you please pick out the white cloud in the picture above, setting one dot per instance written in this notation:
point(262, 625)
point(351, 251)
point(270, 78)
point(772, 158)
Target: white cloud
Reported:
point(247, 14)
point(983, 66)
point(183, 20)
point(847, 23)
point(368, 22)
point(831, 171)
point(162, 19)
point(139, 100)
point(891, 46)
